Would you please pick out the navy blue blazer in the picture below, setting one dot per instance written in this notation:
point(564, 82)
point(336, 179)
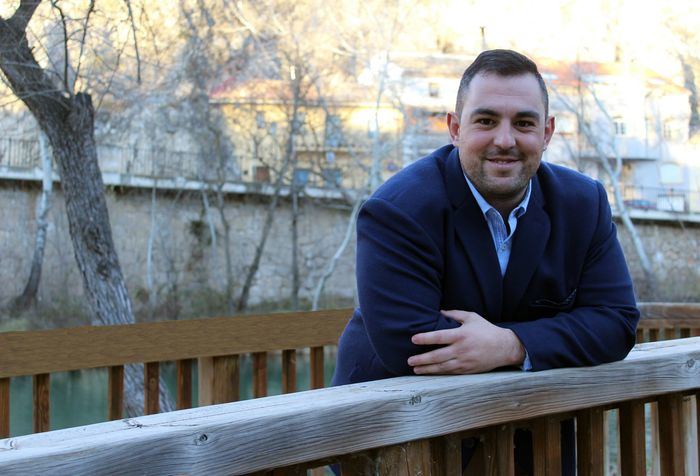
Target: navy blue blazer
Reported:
point(423, 245)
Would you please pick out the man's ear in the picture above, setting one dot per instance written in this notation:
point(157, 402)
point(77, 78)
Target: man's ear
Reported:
point(453, 126)
point(548, 130)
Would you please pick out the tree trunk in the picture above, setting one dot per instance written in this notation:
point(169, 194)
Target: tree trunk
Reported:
point(294, 295)
point(689, 83)
point(28, 297)
point(67, 119)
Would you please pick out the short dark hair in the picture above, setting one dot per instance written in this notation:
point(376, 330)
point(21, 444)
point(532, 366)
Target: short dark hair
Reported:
point(502, 63)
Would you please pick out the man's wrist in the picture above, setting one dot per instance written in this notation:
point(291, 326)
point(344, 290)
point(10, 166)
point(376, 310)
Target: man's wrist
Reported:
point(516, 352)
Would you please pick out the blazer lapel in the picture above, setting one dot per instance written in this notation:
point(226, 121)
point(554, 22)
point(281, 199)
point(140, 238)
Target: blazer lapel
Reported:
point(473, 233)
point(529, 243)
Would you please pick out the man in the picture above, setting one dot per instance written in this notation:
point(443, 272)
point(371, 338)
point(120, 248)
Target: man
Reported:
point(479, 256)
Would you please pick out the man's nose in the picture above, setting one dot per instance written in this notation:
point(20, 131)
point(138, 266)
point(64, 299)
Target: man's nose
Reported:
point(504, 137)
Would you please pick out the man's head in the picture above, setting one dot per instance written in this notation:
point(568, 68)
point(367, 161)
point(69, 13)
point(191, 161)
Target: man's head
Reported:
point(501, 125)
point(500, 63)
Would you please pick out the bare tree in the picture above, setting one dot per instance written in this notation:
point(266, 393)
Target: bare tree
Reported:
point(67, 118)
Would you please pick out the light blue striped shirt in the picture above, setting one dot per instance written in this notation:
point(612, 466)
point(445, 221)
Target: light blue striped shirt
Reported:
point(502, 240)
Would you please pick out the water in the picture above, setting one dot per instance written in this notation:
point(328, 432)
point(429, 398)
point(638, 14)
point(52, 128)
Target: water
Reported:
point(80, 397)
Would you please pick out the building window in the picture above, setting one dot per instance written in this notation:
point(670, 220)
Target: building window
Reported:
point(331, 177)
point(620, 127)
point(434, 90)
point(260, 119)
point(301, 177)
point(261, 173)
point(333, 133)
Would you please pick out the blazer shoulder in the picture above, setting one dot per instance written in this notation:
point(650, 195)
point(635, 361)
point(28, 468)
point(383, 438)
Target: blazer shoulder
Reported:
point(564, 186)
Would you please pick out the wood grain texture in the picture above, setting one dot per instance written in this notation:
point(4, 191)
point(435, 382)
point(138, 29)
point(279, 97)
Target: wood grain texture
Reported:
point(289, 371)
point(446, 452)
point(115, 392)
point(632, 444)
point(184, 383)
point(259, 374)
point(697, 426)
point(665, 310)
point(226, 383)
point(546, 446)
point(205, 371)
point(151, 385)
point(4, 408)
point(316, 362)
point(671, 435)
point(589, 442)
point(42, 402)
point(285, 430)
point(32, 352)
point(498, 451)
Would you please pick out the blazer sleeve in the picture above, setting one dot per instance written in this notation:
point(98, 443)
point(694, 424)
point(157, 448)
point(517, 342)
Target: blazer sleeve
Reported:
point(601, 326)
point(399, 276)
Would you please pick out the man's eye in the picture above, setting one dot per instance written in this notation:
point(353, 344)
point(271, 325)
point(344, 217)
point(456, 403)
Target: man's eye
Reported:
point(485, 121)
point(525, 124)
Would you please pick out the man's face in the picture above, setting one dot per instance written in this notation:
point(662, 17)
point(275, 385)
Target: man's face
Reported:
point(501, 134)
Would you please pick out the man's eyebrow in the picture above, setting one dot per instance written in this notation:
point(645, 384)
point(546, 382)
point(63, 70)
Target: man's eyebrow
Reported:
point(485, 111)
point(528, 114)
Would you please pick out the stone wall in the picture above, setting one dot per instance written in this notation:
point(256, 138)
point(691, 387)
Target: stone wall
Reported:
point(188, 271)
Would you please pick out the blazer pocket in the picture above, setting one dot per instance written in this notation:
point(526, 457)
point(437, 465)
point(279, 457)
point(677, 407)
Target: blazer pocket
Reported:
point(566, 303)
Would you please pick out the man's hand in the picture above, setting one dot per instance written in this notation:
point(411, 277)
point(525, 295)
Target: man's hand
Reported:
point(474, 347)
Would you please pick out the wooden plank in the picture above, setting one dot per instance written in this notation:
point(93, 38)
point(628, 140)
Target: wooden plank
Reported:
point(289, 371)
point(590, 454)
point(498, 451)
point(640, 335)
point(284, 430)
point(360, 463)
point(184, 383)
point(632, 444)
point(151, 385)
point(205, 371)
point(42, 402)
point(546, 446)
point(32, 352)
point(697, 425)
point(4, 408)
point(316, 363)
point(115, 392)
point(654, 454)
point(226, 384)
point(407, 459)
point(259, 374)
point(684, 332)
point(671, 435)
point(446, 454)
point(663, 310)
point(653, 335)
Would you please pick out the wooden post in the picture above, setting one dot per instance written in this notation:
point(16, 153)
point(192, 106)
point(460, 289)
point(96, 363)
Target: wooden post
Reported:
point(4, 407)
point(226, 383)
point(498, 451)
point(640, 335)
point(259, 374)
point(115, 391)
point(406, 459)
point(632, 444)
point(671, 435)
point(184, 383)
point(151, 379)
point(590, 455)
point(653, 335)
point(42, 398)
point(289, 371)
point(546, 443)
point(316, 363)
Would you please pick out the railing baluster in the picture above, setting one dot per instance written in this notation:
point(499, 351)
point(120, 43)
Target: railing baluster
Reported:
point(4, 407)
point(289, 371)
point(259, 374)
point(42, 396)
point(151, 377)
point(640, 335)
point(653, 335)
point(671, 435)
point(697, 425)
point(184, 383)
point(316, 363)
point(590, 451)
point(226, 384)
point(115, 392)
point(446, 455)
point(498, 451)
point(632, 444)
point(685, 332)
point(546, 443)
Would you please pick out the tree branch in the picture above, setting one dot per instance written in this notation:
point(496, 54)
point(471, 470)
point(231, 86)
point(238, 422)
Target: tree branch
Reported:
point(54, 4)
point(91, 8)
point(19, 21)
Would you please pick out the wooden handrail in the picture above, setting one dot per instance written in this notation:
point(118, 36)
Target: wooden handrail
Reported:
point(36, 352)
point(259, 434)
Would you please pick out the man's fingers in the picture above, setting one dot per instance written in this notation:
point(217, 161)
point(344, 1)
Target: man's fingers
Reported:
point(436, 356)
point(448, 367)
point(446, 336)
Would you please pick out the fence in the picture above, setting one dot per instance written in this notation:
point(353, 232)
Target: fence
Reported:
point(216, 344)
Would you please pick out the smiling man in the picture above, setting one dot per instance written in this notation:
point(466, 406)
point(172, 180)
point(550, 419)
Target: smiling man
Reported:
point(480, 256)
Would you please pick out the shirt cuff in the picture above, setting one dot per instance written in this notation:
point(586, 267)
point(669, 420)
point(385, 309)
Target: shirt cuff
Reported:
point(527, 365)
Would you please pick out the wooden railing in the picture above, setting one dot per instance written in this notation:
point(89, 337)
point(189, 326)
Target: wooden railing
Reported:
point(401, 426)
point(215, 346)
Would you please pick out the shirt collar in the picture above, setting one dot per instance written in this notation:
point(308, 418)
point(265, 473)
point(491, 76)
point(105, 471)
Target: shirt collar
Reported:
point(485, 206)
